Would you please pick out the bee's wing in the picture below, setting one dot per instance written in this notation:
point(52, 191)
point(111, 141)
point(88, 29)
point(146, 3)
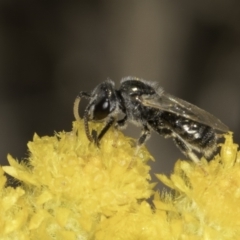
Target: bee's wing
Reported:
point(169, 103)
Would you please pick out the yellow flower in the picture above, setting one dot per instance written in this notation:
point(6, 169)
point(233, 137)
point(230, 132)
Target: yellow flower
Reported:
point(71, 189)
point(13, 211)
point(69, 185)
point(207, 196)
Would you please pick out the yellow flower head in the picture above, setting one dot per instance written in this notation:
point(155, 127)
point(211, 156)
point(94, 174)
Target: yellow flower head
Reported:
point(71, 189)
point(70, 184)
point(207, 196)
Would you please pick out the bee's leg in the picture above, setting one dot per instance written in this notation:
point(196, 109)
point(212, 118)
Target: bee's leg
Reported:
point(98, 138)
point(122, 123)
point(86, 95)
point(145, 134)
point(185, 148)
point(77, 102)
point(165, 132)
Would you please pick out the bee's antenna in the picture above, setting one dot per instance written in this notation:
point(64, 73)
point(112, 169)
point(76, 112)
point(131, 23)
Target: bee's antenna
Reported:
point(75, 108)
point(85, 118)
point(77, 102)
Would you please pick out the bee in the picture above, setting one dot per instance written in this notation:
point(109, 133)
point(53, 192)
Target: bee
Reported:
point(145, 104)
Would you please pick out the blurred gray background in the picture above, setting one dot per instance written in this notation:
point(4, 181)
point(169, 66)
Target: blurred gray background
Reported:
point(50, 50)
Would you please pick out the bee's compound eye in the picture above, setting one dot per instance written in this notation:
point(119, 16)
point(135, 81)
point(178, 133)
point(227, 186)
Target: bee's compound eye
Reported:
point(102, 109)
point(105, 105)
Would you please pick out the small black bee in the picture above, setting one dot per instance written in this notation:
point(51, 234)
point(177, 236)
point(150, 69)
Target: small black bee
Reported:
point(147, 105)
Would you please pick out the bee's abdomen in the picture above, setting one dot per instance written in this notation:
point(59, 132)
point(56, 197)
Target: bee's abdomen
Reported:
point(202, 137)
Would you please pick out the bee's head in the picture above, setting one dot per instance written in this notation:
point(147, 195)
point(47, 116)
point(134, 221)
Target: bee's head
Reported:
point(103, 101)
